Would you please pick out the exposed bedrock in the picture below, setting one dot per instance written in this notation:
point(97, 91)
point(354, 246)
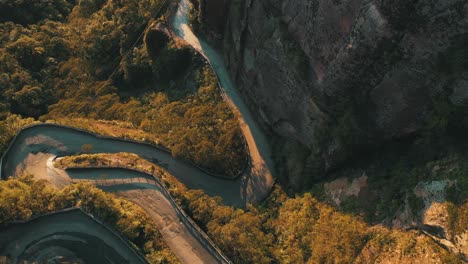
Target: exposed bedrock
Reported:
point(331, 78)
point(212, 14)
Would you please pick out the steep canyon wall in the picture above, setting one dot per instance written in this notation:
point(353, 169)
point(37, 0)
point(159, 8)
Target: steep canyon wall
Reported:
point(329, 79)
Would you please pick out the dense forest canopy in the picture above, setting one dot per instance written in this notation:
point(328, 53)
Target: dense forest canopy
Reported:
point(115, 60)
point(84, 61)
point(55, 54)
point(30, 12)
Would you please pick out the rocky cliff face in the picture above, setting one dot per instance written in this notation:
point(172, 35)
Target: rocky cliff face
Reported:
point(330, 78)
point(212, 15)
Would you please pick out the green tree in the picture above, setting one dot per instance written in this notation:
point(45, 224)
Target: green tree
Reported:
point(29, 52)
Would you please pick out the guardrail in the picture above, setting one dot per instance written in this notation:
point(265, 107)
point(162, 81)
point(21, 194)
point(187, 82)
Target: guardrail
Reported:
point(226, 99)
point(201, 236)
point(127, 140)
point(198, 233)
point(187, 220)
point(221, 91)
point(71, 209)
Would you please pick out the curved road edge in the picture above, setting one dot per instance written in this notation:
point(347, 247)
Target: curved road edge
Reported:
point(259, 180)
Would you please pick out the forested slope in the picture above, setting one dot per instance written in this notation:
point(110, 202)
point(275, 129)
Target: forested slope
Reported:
point(60, 59)
point(284, 229)
point(25, 198)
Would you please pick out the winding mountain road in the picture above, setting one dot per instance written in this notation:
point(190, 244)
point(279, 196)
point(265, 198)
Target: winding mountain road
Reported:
point(34, 149)
point(258, 180)
point(69, 236)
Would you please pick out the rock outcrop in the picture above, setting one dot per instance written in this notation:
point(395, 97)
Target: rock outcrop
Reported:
point(329, 78)
point(213, 15)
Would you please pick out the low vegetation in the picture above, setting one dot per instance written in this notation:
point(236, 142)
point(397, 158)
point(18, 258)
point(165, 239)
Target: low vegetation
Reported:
point(284, 229)
point(23, 198)
point(57, 62)
point(391, 184)
point(10, 127)
point(61, 63)
point(304, 230)
point(457, 218)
